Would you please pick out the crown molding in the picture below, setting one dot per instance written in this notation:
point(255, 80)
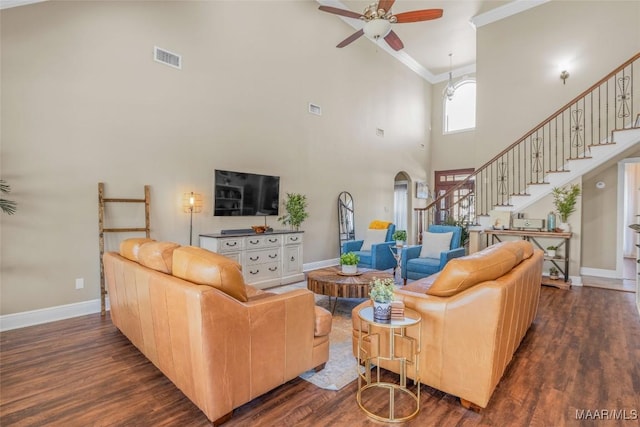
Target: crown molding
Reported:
point(6, 4)
point(504, 11)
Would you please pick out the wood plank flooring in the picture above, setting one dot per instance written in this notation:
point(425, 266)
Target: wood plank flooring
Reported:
point(581, 354)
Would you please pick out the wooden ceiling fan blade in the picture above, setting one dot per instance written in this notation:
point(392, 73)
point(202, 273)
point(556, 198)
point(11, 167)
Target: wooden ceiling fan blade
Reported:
point(386, 4)
point(394, 41)
point(418, 15)
point(341, 12)
point(353, 37)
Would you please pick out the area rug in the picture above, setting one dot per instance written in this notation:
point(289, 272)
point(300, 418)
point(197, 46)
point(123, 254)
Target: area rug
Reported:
point(341, 368)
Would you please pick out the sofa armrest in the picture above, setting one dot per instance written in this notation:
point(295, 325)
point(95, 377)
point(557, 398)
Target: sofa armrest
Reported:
point(323, 323)
point(409, 252)
point(352, 246)
point(449, 255)
point(382, 257)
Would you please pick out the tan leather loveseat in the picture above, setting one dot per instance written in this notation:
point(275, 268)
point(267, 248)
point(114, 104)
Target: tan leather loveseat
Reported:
point(475, 313)
point(221, 342)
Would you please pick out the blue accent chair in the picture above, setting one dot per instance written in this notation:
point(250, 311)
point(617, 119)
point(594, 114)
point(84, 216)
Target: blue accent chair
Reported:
point(414, 267)
point(379, 257)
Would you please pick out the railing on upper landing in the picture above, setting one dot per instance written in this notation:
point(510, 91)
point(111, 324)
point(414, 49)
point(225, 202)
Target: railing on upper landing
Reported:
point(588, 120)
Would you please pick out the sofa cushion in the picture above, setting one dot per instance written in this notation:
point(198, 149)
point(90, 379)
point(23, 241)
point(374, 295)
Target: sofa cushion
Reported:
point(379, 225)
point(203, 267)
point(527, 247)
point(423, 266)
point(462, 273)
point(129, 247)
point(435, 243)
point(157, 255)
point(365, 257)
point(373, 237)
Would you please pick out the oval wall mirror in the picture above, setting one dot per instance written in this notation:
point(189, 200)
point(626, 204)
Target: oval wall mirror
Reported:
point(347, 229)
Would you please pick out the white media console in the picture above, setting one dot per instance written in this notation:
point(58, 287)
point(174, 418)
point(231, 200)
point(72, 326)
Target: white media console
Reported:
point(268, 259)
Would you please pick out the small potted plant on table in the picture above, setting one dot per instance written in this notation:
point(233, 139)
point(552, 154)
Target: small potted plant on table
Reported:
point(381, 292)
point(551, 251)
point(400, 236)
point(349, 262)
point(553, 273)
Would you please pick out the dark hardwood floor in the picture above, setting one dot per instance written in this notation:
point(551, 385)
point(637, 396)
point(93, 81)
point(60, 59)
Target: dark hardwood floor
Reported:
point(581, 356)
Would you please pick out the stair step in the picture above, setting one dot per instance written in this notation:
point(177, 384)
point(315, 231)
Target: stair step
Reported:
point(579, 158)
point(602, 144)
point(519, 194)
point(559, 171)
point(538, 183)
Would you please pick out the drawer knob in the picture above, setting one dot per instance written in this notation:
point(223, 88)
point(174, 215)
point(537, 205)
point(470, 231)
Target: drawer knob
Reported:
point(254, 259)
point(293, 239)
point(273, 256)
point(273, 268)
point(254, 272)
point(231, 243)
point(293, 259)
point(254, 242)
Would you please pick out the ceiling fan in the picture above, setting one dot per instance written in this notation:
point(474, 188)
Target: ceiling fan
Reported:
point(378, 19)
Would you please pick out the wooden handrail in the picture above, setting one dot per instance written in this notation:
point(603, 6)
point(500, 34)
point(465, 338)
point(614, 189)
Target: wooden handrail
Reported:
point(528, 134)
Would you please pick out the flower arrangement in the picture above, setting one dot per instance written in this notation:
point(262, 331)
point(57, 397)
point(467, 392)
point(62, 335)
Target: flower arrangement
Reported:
point(349, 258)
point(381, 290)
point(564, 199)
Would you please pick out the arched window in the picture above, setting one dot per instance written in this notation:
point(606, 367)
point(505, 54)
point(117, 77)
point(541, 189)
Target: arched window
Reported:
point(459, 112)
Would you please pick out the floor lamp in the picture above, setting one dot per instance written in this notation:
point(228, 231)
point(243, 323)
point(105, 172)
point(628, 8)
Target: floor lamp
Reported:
point(191, 202)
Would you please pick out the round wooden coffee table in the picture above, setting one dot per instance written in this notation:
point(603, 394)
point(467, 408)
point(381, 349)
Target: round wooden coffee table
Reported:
point(331, 282)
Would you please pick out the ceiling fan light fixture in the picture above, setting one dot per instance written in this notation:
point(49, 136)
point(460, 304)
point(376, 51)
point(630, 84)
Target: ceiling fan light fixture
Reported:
point(377, 28)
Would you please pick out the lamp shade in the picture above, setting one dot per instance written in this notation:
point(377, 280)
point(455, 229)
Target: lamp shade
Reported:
point(192, 202)
point(377, 28)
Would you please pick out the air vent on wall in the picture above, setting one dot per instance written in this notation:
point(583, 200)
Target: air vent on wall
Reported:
point(315, 109)
point(168, 58)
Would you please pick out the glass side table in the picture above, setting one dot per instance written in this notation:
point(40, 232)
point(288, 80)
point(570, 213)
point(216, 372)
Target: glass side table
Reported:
point(396, 251)
point(402, 349)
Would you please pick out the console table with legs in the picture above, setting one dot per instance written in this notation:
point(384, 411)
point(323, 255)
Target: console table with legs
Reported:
point(561, 263)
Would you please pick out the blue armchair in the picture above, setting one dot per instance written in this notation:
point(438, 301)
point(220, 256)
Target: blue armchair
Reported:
point(414, 267)
point(379, 257)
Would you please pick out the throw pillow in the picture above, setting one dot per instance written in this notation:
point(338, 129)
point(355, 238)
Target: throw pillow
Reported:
point(379, 225)
point(373, 237)
point(434, 243)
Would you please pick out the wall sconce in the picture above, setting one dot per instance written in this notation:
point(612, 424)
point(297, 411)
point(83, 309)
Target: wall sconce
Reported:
point(564, 75)
point(191, 202)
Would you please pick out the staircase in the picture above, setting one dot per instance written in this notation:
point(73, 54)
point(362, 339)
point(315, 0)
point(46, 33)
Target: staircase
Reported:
point(596, 126)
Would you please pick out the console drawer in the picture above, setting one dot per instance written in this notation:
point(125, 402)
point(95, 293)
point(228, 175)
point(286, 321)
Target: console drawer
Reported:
point(262, 257)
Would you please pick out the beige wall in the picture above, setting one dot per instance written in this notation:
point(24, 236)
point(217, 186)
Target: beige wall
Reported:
point(449, 151)
point(83, 102)
point(519, 85)
point(518, 63)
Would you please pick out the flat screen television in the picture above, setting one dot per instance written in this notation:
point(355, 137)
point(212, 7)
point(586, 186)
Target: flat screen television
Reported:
point(245, 194)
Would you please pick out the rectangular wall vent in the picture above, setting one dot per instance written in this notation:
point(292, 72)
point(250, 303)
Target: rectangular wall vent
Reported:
point(168, 58)
point(315, 109)
point(380, 132)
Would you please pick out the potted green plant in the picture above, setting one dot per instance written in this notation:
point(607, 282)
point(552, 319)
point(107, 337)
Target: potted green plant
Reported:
point(400, 236)
point(565, 199)
point(551, 251)
point(7, 206)
point(296, 207)
point(381, 293)
point(349, 262)
point(553, 273)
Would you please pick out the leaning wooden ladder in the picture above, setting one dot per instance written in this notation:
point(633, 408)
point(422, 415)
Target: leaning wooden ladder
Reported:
point(101, 217)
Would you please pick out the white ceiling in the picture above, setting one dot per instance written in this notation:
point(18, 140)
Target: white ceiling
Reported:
point(428, 43)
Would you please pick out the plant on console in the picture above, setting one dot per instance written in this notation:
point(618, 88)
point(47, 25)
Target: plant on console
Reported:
point(296, 207)
point(381, 290)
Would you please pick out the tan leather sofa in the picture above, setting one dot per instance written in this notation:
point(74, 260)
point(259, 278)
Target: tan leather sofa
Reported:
point(221, 342)
point(475, 313)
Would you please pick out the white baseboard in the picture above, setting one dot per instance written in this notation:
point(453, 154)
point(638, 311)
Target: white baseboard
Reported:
point(67, 311)
point(49, 314)
point(576, 280)
point(599, 272)
point(320, 264)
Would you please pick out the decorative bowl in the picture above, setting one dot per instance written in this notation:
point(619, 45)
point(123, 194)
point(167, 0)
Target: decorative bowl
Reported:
point(259, 228)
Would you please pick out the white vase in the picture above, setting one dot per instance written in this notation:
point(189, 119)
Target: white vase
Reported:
point(381, 311)
point(349, 269)
point(399, 242)
point(565, 227)
point(551, 253)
